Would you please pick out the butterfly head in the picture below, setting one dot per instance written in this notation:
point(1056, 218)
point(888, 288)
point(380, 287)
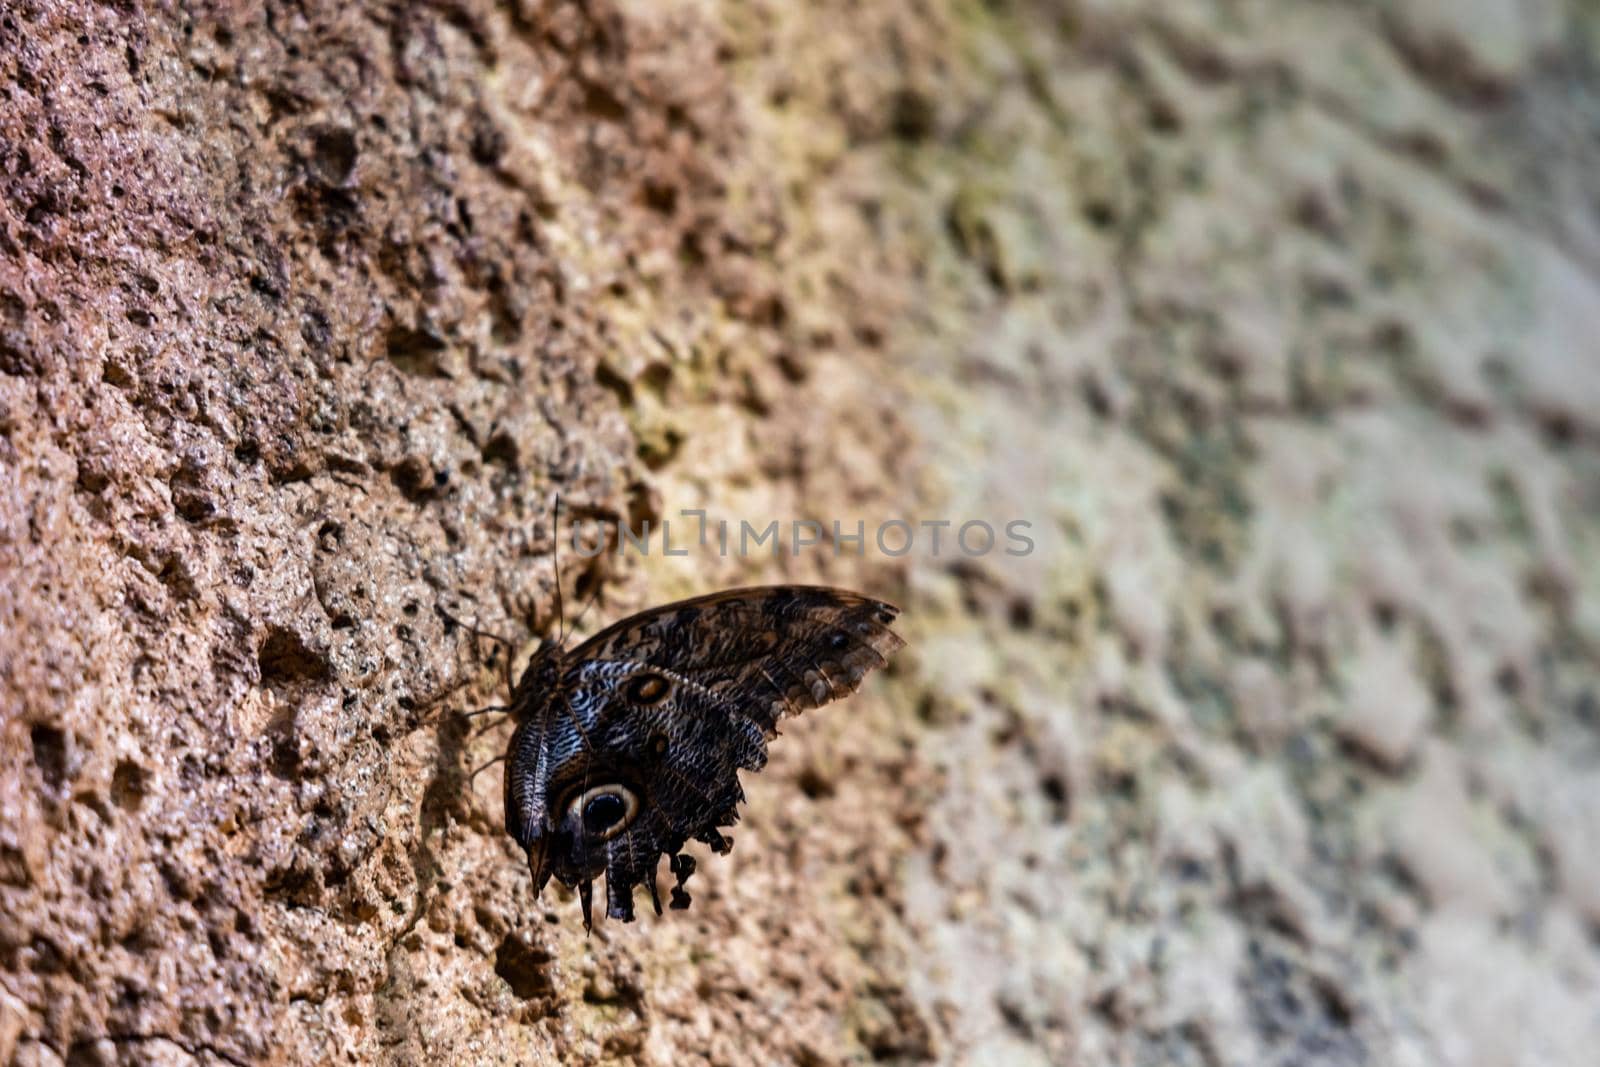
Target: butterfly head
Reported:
point(543, 672)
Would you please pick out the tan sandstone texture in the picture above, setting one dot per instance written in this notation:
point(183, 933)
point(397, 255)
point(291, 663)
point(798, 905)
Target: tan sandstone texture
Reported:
point(1279, 322)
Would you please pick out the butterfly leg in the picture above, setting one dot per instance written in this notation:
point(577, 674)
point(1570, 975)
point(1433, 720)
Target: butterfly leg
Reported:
point(506, 642)
point(586, 898)
point(492, 709)
point(483, 767)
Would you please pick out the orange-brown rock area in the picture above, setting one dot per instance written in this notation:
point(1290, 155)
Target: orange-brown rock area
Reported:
point(1277, 324)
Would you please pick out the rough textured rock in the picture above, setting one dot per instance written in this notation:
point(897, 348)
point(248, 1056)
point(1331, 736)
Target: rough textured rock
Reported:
point(1282, 746)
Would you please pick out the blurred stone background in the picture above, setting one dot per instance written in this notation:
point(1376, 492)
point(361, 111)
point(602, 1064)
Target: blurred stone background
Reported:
point(1279, 322)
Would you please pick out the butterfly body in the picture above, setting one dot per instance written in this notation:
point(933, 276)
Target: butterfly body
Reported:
point(630, 745)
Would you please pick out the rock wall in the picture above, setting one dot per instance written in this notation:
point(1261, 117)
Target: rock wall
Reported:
point(1275, 322)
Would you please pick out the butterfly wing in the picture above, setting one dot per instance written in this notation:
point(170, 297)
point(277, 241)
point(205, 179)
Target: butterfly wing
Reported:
point(772, 651)
point(640, 745)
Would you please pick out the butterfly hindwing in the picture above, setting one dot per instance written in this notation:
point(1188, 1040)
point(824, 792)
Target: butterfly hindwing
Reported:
point(631, 744)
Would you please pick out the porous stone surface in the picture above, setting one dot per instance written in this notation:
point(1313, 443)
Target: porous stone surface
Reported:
point(1276, 323)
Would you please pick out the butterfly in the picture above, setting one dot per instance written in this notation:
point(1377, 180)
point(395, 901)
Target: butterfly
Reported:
point(630, 745)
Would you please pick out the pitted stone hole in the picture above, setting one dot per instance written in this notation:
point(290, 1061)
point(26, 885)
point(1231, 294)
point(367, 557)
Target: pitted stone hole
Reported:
point(913, 115)
point(330, 536)
point(489, 142)
point(49, 753)
point(334, 152)
point(413, 351)
point(608, 378)
point(283, 759)
point(416, 480)
point(315, 329)
point(1559, 429)
point(1508, 679)
point(661, 196)
point(525, 967)
point(1054, 788)
point(815, 784)
point(285, 659)
point(1101, 214)
point(129, 783)
point(501, 450)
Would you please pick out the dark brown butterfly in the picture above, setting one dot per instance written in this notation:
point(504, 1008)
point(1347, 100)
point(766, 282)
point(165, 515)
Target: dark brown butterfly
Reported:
point(630, 745)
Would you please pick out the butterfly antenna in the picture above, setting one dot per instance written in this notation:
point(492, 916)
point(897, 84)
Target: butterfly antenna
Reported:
point(587, 605)
point(555, 564)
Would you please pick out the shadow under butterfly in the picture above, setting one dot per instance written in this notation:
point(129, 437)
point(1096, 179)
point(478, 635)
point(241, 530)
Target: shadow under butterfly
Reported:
point(629, 745)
